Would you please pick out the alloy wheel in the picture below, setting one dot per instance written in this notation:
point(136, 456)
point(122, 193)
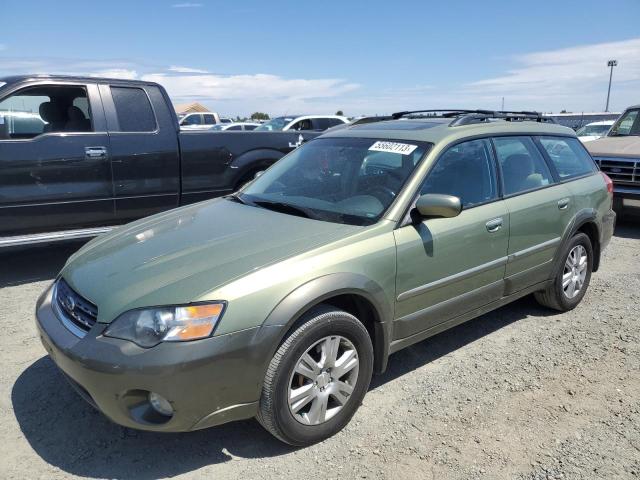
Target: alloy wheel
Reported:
point(323, 380)
point(575, 271)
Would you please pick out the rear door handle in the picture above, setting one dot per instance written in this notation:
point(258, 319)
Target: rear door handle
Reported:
point(494, 225)
point(563, 204)
point(95, 152)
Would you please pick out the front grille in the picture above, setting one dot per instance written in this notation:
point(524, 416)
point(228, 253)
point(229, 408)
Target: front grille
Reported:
point(76, 309)
point(623, 171)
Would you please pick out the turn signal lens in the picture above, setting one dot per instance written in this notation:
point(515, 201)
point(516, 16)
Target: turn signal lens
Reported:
point(194, 322)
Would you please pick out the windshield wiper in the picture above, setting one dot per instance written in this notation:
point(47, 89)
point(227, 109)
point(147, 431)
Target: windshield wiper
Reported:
point(286, 208)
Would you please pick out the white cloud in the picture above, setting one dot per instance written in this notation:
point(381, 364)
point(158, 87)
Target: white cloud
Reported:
point(177, 69)
point(186, 5)
point(121, 73)
point(574, 78)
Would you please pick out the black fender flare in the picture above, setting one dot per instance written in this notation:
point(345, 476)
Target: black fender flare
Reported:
point(582, 217)
point(253, 159)
point(291, 308)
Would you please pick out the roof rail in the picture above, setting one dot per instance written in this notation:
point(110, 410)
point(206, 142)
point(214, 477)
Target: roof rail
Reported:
point(467, 117)
point(444, 112)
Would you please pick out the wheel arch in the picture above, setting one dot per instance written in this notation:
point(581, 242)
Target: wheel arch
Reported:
point(354, 293)
point(253, 160)
point(584, 221)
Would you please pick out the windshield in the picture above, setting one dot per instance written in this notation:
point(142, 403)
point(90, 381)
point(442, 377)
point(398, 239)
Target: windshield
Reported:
point(275, 124)
point(593, 130)
point(627, 124)
point(343, 180)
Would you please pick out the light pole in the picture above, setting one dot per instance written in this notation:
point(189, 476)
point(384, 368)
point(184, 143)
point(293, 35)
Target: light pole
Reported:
point(611, 64)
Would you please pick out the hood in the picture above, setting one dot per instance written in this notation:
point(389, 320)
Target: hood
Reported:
point(615, 147)
point(177, 256)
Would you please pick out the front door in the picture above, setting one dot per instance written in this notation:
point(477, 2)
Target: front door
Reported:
point(54, 160)
point(449, 266)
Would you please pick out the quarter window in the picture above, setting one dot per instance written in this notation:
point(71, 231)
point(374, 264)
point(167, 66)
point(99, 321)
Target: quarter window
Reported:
point(568, 156)
point(466, 171)
point(522, 165)
point(45, 109)
point(133, 109)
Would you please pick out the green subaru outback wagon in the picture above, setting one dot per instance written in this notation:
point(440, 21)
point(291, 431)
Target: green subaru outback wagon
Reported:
point(279, 302)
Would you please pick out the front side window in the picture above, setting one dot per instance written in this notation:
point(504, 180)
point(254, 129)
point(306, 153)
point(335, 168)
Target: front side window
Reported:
point(627, 124)
point(34, 111)
point(568, 156)
point(343, 180)
point(133, 109)
point(522, 165)
point(465, 171)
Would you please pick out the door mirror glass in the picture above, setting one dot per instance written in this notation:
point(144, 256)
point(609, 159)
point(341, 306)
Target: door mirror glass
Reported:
point(438, 205)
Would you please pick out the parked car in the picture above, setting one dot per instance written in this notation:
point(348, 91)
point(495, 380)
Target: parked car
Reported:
point(618, 155)
point(199, 120)
point(235, 126)
point(317, 123)
point(594, 130)
point(281, 300)
point(104, 152)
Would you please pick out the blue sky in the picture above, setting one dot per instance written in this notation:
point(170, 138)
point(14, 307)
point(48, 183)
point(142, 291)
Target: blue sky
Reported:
point(363, 57)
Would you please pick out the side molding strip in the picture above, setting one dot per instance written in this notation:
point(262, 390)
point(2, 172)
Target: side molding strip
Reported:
point(534, 249)
point(452, 278)
point(52, 236)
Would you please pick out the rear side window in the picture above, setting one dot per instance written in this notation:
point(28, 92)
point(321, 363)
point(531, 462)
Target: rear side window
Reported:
point(209, 119)
point(465, 171)
point(568, 156)
point(133, 109)
point(522, 165)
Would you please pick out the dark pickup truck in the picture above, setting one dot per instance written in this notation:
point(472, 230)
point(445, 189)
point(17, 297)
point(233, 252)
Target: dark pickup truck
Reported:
point(81, 155)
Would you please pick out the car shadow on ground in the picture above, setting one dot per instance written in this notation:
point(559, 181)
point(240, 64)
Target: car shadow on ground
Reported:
point(69, 434)
point(628, 228)
point(35, 263)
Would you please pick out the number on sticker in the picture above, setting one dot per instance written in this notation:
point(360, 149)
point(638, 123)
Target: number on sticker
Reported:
point(393, 147)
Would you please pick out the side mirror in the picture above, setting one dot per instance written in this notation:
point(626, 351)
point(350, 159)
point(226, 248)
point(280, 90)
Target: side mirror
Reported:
point(438, 205)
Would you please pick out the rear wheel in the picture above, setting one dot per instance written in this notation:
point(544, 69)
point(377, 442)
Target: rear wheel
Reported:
point(317, 379)
point(572, 278)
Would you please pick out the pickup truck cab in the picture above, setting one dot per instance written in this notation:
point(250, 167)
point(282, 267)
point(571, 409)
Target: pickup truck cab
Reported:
point(198, 120)
point(80, 155)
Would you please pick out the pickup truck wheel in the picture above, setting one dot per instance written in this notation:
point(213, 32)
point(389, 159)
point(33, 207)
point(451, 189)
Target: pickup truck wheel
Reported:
point(317, 379)
point(572, 277)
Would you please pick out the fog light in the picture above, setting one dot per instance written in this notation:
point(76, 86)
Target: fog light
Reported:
point(160, 404)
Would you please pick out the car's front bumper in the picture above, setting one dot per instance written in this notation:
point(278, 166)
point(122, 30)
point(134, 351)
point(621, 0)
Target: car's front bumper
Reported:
point(208, 382)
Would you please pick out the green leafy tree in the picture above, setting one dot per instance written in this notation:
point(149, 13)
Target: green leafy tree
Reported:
point(339, 112)
point(259, 116)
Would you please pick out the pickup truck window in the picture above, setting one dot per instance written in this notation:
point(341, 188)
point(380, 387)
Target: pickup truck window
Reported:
point(133, 109)
point(627, 124)
point(209, 119)
point(34, 111)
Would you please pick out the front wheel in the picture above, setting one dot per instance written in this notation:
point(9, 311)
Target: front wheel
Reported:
point(572, 278)
point(317, 379)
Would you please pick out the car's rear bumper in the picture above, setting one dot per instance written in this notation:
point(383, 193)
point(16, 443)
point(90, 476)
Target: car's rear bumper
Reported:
point(208, 382)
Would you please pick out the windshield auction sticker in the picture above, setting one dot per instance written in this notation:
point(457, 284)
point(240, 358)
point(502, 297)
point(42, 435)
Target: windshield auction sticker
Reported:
point(393, 147)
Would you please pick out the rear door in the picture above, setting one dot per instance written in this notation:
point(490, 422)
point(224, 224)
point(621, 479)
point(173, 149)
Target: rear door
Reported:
point(54, 159)
point(144, 150)
point(539, 208)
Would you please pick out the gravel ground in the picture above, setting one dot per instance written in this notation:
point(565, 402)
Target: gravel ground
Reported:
point(520, 393)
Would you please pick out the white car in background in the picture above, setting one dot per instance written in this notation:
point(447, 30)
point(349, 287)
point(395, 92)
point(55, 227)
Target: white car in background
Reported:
point(318, 123)
point(199, 120)
point(594, 130)
point(235, 126)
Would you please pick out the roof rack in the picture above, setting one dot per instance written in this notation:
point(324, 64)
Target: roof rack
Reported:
point(468, 117)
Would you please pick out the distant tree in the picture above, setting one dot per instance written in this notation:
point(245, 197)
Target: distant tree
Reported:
point(259, 116)
point(563, 111)
point(339, 112)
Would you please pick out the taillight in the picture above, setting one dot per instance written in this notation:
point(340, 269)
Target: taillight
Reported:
point(609, 182)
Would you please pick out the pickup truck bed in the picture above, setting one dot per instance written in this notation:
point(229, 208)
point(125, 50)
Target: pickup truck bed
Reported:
point(80, 155)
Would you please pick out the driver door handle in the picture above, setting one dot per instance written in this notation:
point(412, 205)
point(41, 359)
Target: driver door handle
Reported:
point(494, 225)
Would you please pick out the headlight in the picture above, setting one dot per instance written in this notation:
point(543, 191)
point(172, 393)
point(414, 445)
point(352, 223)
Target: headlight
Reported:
point(150, 326)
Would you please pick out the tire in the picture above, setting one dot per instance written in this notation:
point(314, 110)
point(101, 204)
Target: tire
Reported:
point(555, 295)
point(319, 331)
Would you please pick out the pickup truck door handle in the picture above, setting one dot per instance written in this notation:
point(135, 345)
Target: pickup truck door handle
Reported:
point(95, 152)
point(494, 225)
point(563, 204)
